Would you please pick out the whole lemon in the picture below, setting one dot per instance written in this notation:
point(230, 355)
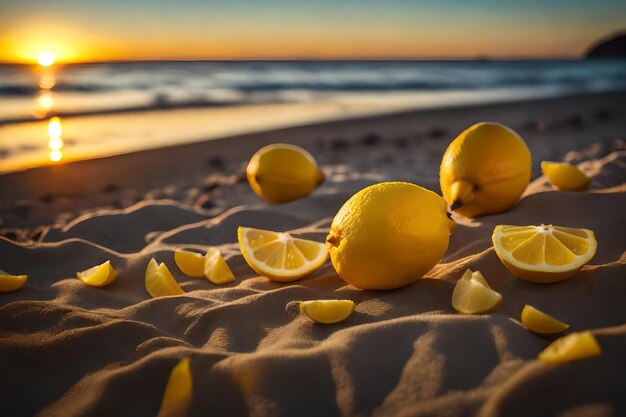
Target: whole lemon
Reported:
point(389, 235)
point(279, 173)
point(485, 170)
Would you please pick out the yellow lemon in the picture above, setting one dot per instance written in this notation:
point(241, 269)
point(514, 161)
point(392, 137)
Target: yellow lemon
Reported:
point(565, 176)
point(485, 170)
point(99, 275)
point(543, 253)
point(473, 295)
point(389, 235)
point(190, 263)
point(540, 322)
point(280, 173)
point(327, 311)
point(9, 282)
point(177, 395)
point(215, 268)
point(280, 256)
point(573, 347)
point(159, 280)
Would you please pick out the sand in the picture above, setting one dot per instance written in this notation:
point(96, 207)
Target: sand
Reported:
point(71, 350)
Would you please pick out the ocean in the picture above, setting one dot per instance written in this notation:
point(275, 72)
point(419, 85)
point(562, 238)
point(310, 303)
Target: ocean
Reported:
point(30, 96)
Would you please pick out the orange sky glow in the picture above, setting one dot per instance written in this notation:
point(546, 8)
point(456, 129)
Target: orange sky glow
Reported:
point(346, 33)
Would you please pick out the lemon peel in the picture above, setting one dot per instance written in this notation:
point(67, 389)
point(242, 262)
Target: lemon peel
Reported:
point(565, 176)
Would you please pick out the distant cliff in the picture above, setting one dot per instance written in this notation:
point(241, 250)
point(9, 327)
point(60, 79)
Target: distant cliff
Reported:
point(613, 47)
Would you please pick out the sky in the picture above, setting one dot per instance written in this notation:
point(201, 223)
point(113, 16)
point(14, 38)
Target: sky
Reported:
point(92, 30)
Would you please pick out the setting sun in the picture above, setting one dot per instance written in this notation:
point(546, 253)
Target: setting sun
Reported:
point(46, 59)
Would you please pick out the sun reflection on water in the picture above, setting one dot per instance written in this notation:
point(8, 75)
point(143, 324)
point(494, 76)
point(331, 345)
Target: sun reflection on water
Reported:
point(55, 142)
point(44, 104)
point(47, 80)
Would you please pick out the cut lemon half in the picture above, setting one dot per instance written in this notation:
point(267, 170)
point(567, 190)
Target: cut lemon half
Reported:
point(177, 395)
point(473, 295)
point(99, 275)
point(327, 311)
point(159, 280)
point(190, 263)
point(565, 176)
point(540, 322)
point(280, 256)
point(573, 347)
point(543, 253)
point(215, 268)
point(9, 282)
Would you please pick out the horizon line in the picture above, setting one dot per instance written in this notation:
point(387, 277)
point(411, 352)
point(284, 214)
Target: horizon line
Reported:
point(477, 58)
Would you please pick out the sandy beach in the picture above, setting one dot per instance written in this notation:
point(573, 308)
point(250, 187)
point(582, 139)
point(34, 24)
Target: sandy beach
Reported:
point(71, 350)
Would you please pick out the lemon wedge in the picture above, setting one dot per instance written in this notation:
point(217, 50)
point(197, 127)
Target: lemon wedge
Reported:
point(543, 253)
point(215, 268)
point(573, 347)
point(473, 295)
point(327, 311)
point(540, 322)
point(565, 176)
point(159, 280)
point(9, 282)
point(177, 396)
point(190, 263)
point(99, 275)
point(279, 256)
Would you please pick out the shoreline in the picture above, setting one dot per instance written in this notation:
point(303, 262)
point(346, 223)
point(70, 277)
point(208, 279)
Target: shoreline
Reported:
point(414, 139)
point(110, 133)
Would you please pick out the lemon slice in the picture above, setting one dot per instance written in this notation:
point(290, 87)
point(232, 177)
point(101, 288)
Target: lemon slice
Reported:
point(327, 311)
point(473, 295)
point(573, 347)
point(99, 275)
point(190, 263)
point(215, 268)
point(565, 176)
point(9, 282)
point(177, 395)
point(159, 280)
point(544, 253)
point(540, 322)
point(279, 256)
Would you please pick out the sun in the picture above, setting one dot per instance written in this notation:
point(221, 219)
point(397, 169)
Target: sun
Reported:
point(46, 59)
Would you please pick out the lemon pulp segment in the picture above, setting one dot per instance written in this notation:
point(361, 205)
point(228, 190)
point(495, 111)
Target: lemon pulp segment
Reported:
point(280, 256)
point(159, 280)
point(99, 275)
point(543, 253)
point(540, 322)
point(473, 295)
point(190, 263)
point(177, 395)
point(573, 347)
point(327, 311)
point(10, 282)
point(216, 269)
